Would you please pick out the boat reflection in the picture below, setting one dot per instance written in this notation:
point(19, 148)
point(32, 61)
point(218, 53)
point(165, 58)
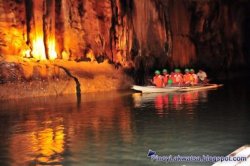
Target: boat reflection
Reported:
point(170, 101)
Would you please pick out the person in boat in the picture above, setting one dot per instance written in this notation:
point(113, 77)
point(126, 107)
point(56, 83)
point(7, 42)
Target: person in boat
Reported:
point(187, 78)
point(170, 82)
point(177, 78)
point(165, 77)
point(194, 77)
point(171, 78)
point(158, 79)
point(202, 77)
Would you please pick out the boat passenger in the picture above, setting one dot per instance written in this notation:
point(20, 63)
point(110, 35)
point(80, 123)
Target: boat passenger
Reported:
point(194, 77)
point(202, 77)
point(158, 79)
point(178, 78)
point(187, 78)
point(171, 77)
point(170, 82)
point(165, 77)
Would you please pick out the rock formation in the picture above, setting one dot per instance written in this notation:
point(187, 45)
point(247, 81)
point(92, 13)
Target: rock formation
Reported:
point(139, 34)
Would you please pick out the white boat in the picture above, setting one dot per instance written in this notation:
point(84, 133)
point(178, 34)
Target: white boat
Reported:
point(200, 87)
point(240, 157)
point(153, 89)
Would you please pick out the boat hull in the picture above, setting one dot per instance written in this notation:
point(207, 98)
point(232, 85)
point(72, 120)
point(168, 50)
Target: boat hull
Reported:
point(203, 87)
point(153, 89)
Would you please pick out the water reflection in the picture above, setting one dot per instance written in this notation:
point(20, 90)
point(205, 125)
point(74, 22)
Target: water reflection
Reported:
point(46, 132)
point(171, 101)
point(40, 143)
point(118, 129)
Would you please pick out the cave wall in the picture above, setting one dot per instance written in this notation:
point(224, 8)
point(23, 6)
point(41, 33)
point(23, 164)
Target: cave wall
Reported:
point(134, 33)
point(218, 33)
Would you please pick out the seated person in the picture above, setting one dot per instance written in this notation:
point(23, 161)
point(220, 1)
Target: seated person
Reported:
point(158, 79)
point(187, 78)
point(177, 78)
point(194, 77)
point(202, 77)
point(165, 77)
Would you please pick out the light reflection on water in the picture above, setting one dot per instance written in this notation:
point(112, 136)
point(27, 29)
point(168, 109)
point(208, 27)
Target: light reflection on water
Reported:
point(119, 128)
point(170, 101)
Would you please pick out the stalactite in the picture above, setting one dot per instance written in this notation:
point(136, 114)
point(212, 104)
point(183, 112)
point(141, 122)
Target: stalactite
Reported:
point(46, 25)
point(162, 7)
point(65, 14)
point(112, 31)
point(28, 14)
point(169, 35)
point(49, 28)
point(126, 16)
point(59, 27)
point(183, 48)
point(36, 33)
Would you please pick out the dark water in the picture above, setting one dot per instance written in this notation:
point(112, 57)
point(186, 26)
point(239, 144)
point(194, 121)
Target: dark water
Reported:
point(120, 128)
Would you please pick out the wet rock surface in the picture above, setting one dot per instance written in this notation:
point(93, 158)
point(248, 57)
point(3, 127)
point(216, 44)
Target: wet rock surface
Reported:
point(25, 78)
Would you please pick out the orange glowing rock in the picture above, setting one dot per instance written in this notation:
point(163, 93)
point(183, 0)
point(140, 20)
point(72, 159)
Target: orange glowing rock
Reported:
point(90, 55)
point(26, 53)
point(65, 55)
point(38, 49)
point(52, 52)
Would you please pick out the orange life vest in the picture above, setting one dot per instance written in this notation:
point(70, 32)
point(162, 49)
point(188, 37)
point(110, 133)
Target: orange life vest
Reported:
point(165, 79)
point(187, 78)
point(172, 77)
point(195, 79)
point(178, 78)
point(158, 81)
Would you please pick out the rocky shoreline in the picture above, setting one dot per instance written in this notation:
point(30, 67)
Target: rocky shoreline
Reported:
point(27, 78)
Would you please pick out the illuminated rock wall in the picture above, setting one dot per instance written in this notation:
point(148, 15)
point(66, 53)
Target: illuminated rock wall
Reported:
point(135, 33)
